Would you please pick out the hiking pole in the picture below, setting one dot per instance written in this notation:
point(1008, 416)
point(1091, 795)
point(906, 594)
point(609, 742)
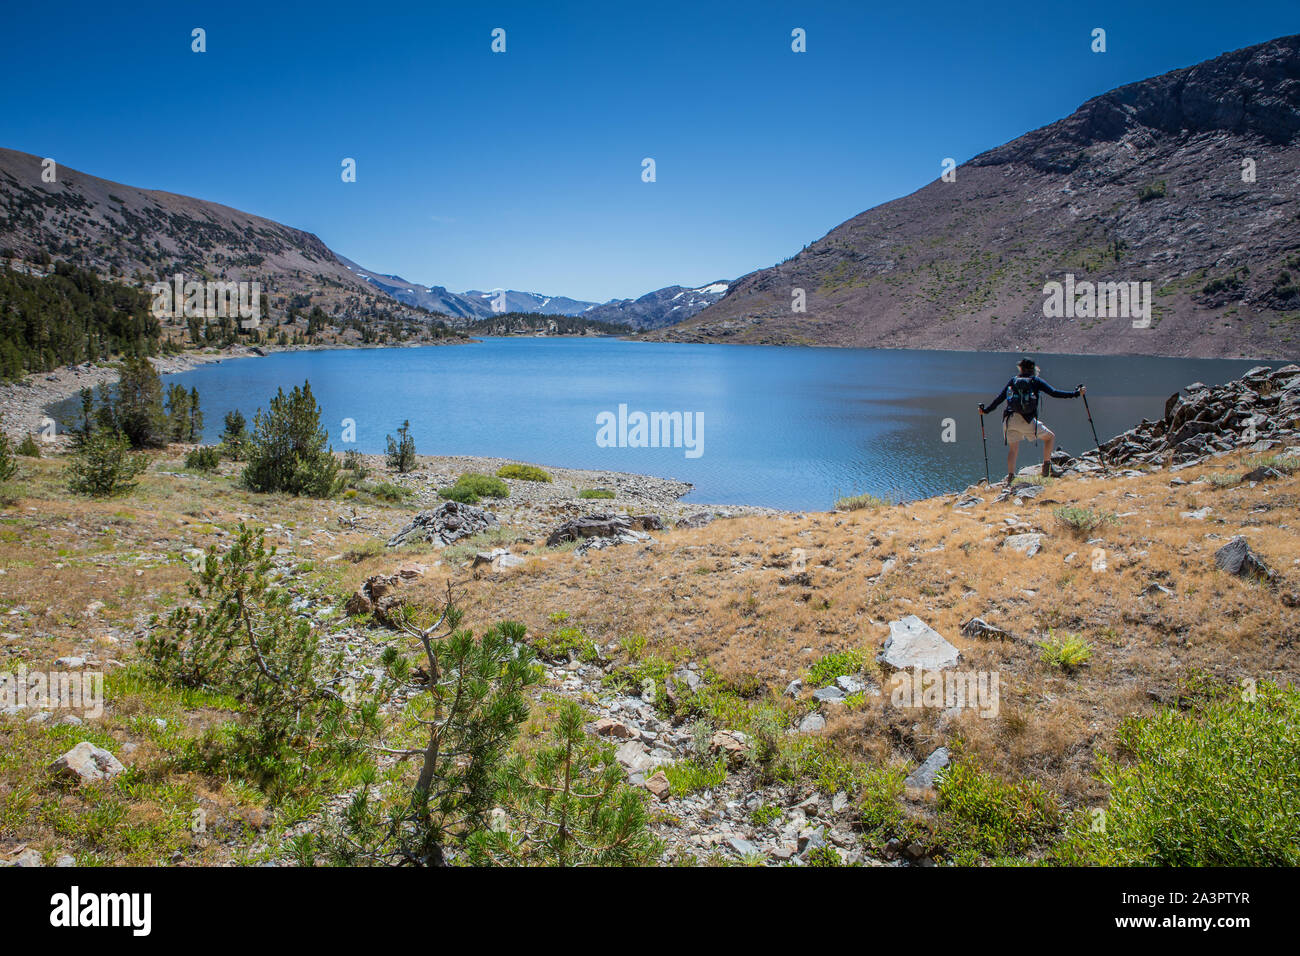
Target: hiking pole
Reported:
point(985, 441)
point(1101, 455)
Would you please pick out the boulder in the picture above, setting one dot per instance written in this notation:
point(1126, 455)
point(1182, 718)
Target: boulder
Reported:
point(603, 526)
point(447, 523)
point(659, 785)
point(86, 763)
point(608, 727)
point(980, 628)
point(812, 723)
point(922, 778)
point(1028, 544)
point(913, 643)
point(1236, 557)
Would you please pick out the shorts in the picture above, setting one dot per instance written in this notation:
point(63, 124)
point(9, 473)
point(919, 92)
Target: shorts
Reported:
point(1015, 428)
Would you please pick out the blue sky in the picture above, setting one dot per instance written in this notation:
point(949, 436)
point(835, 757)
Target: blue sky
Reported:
point(523, 169)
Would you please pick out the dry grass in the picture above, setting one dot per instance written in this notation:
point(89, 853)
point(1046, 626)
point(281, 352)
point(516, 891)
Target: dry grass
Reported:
point(757, 599)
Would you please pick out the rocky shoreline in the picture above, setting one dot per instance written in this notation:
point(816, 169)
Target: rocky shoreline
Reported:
point(25, 404)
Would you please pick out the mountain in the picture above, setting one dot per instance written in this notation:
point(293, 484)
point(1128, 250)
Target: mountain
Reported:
point(662, 307)
point(145, 234)
point(1147, 183)
point(466, 305)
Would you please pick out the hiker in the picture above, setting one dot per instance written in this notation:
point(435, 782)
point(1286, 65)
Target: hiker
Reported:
point(1020, 419)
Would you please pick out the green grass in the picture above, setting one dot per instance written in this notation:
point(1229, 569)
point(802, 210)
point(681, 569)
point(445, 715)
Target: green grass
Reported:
point(471, 486)
point(983, 817)
point(523, 473)
point(563, 642)
point(1068, 653)
point(1214, 785)
point(839, 664)
point(387, 491)
point(595, 493)
point(692, 776)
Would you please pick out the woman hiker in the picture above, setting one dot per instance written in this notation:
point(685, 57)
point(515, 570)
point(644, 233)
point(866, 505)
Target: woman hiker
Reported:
point(1020, 419)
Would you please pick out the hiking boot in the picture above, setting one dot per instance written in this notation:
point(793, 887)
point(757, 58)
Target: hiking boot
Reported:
point(1047, 469)
point(1010, 479)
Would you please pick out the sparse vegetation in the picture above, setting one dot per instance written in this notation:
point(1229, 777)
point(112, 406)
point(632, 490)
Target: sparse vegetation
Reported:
point(470, 487)
point(1068, 652)
point(401, 450)
point(523, 473)
point(1082, 522)
point(595, 493)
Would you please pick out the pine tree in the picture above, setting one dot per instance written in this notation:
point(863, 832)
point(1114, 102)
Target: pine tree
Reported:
point(567, 804)
point(178, 413)
point(137, 408)
point(401, 453)
point(103, 464)
point(241, 636)
point(234, 435)
point(289, 450)
point(471, 704)
point(196, 418)
point(8, 466)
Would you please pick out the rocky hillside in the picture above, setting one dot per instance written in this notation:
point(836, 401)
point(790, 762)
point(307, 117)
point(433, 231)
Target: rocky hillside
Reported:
point(1186, 180)
point(142, 234)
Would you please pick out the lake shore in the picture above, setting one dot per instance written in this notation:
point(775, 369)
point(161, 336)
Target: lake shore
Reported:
point(26, 403)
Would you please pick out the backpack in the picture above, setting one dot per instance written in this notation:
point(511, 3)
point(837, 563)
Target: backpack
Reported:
point(1022, 398)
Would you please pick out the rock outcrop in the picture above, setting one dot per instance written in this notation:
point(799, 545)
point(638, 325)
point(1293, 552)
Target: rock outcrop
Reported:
point(447, 523)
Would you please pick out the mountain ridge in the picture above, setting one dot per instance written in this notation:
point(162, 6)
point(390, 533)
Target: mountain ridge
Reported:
point(1141, 183)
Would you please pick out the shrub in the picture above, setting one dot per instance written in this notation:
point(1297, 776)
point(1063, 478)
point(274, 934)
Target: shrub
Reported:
point(858, 502)
point(203, 458)
point(245, 639)
point(1211, 786)
point(8, 467)
point(104, 465)
point(289, 450)
point(981, 815)
point(401, 451)
point(1155, 190)
point(355, 463)
point(1067, 653)
point(698, 773)
point(595, 493)
point(28, 447)
point(470, 487)
point(1082, 521)
point(387, 491)
point(565, 642)
point(835, 665)
point(523, 473)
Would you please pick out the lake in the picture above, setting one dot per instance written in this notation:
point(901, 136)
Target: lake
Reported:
point(783, 427)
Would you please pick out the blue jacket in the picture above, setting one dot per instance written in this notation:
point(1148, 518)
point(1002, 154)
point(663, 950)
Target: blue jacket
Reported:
point(1038, 385)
